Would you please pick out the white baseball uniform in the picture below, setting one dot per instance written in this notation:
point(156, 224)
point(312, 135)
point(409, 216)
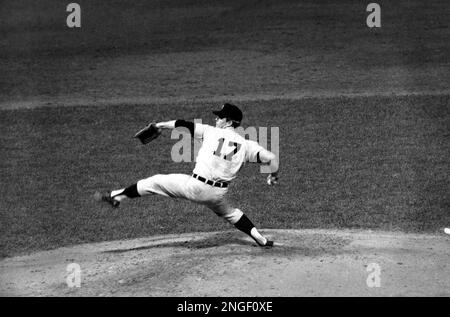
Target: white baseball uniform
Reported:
point(221, 156)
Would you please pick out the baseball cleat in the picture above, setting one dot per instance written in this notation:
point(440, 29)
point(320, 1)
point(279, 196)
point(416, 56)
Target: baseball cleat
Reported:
point(106, 197)
point(268, 244)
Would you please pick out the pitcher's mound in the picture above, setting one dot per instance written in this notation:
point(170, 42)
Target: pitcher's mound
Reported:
point(302, 263)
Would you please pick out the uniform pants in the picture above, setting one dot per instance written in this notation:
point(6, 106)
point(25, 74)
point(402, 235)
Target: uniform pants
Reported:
point(186, 187)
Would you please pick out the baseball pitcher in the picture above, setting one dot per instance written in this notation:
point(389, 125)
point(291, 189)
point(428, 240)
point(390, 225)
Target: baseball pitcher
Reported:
point(220, 157)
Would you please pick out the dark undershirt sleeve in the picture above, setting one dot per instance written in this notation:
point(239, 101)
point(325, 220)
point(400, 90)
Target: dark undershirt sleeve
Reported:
point(187, 124)
point(258, 160)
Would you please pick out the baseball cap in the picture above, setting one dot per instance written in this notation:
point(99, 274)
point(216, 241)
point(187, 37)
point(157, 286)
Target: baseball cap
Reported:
point(230, 112)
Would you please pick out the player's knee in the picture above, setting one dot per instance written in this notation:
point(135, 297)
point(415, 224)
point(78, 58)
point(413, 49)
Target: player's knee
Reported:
point(233, 216)
point(145, 186)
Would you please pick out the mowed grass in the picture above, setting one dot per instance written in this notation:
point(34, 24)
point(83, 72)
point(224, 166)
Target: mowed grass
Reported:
point(363, 162)
point(206, 48)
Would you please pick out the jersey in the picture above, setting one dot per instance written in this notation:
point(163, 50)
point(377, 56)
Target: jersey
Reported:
point(223, 152)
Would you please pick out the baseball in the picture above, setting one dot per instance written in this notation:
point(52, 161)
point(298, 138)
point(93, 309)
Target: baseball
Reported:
point(447, 230)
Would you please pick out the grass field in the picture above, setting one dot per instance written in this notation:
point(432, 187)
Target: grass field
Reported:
point(186, 49)
point(363, 162)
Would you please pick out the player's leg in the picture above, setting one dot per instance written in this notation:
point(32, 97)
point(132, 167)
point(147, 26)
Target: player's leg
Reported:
point(128, 192)
point(171, 185)
point(116, 196)
point(245, 225)
point(240, 221)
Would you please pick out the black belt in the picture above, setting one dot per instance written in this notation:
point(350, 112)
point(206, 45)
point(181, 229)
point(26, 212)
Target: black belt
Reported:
point(209, 182)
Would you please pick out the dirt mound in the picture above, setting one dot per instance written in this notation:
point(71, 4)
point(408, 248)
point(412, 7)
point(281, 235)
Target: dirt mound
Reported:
point(303, 263)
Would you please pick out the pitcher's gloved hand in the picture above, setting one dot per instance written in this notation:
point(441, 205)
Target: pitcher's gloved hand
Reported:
point(149, 133)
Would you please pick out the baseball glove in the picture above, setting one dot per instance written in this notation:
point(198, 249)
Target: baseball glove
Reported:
point(149, 133)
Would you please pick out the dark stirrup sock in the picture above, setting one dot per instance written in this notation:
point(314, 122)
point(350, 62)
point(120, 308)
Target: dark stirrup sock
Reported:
point(131, 191)
point(245, 225)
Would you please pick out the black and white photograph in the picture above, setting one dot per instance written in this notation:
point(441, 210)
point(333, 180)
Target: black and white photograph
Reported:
point(242, 151)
